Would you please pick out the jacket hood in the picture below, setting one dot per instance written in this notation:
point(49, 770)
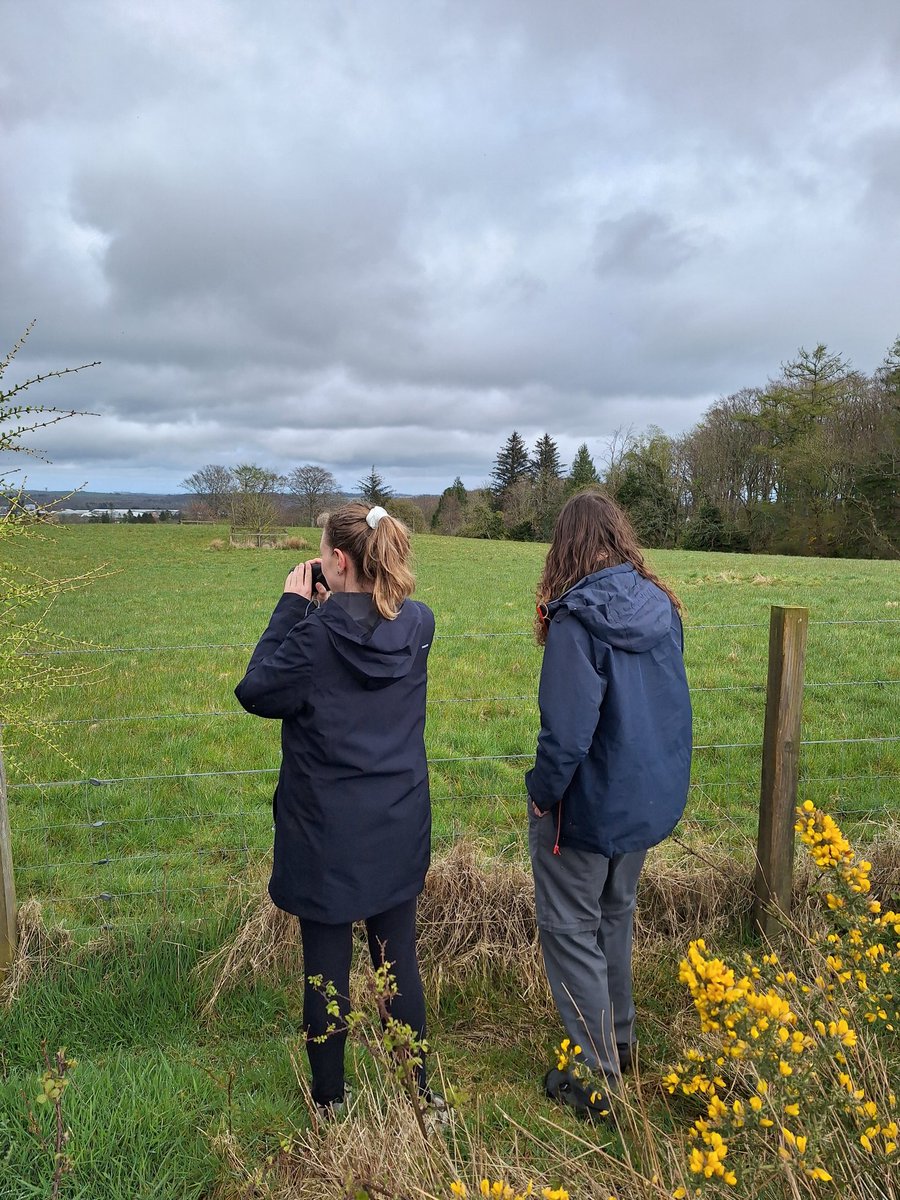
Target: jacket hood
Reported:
point(376, 653)
point(620, 607)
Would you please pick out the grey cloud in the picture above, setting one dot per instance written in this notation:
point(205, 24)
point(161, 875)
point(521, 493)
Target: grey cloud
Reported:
point(641, 244)
point(879, 163)
point(396, 228)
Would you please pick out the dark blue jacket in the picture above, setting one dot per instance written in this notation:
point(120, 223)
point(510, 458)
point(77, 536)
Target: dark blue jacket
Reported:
point(352, 810)
point(615, 740)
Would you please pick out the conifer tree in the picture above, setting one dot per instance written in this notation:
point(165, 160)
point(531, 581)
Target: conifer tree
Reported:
point(511, 465)
point(815, 376)
point(545, 460)
point(583, 473)
point(457, 489)
point(372, 488)
point(548, 487)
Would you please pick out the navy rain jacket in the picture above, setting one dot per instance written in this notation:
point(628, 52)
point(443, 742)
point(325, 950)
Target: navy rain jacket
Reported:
point(615, 740)
point(352, 809)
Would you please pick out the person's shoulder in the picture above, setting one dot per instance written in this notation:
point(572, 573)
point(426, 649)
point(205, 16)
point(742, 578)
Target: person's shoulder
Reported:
point(677, 625)
point(310, 624)
point(421, 607)
point(419, 611)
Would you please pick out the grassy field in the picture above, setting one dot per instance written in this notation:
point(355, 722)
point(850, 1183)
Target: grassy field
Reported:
point(157, 709)
point(166, 1104)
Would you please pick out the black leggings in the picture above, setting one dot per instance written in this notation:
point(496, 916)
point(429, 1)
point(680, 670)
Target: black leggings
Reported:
point(327, 951)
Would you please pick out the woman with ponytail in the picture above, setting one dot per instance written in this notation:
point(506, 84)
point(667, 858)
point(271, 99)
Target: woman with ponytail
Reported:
point(344, 669)
point(610, 778)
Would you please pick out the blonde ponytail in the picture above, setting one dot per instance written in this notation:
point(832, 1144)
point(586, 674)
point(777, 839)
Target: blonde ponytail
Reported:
point(380, 554)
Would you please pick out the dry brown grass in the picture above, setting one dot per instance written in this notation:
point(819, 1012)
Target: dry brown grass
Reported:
point(265, 946)
point(884, 855)
point(686, 893)
point(377, 1150)
point(476, 919)
point(38, 947)
point(476, 915)
point(754, 579)
point(240, 539)
point(377, 1146)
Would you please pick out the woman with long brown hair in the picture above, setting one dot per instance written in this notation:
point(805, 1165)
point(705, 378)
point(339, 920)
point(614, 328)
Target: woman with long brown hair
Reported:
point(344, 668)
point(610, 778)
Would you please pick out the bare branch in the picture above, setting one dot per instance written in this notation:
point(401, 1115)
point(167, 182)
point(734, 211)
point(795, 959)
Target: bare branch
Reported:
point(27, 383)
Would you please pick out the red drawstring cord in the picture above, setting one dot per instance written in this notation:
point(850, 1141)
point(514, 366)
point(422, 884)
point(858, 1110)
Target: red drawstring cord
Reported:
point(558, 827)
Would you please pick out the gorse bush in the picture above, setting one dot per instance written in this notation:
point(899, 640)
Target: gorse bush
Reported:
point(26, 596)
point(794, 1068)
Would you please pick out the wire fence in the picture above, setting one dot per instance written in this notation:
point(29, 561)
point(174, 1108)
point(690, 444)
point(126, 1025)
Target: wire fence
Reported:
point(113, 845)
point(438, 637)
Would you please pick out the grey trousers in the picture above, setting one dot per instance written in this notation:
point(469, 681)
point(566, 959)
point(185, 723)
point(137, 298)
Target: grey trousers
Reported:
point(585, 914)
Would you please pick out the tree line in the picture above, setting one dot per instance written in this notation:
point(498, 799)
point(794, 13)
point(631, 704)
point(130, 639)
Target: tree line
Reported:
point(809, 463)
point(249, 496)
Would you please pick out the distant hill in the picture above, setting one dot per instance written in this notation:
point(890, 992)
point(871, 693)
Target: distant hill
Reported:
point(82, 501)
point(132, 500)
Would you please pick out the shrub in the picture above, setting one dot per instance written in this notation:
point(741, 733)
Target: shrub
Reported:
point(409, 513)
point(794, 1067)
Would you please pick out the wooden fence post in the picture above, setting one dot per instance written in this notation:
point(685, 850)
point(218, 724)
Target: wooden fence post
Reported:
point(780, 767)
point(7, 885)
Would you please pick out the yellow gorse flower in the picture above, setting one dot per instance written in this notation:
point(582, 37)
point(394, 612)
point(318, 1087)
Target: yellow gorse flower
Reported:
point(497, 1189)
point(710, 1162)
point(819, 1173)
point(830, 850)
point(796, 1027)
point(566, 1054)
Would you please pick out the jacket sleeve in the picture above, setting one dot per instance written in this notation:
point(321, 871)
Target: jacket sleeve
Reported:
point(428, 624)
point(279, 674)
point(680, 625)
point(570, 695)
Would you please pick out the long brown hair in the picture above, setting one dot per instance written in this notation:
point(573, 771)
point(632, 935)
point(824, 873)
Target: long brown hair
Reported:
point(380, 555)
point(591, 533)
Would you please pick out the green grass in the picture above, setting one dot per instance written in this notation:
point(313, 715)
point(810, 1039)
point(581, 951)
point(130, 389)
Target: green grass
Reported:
point(150, 842)
point(150, 1084)
point(155, 1084)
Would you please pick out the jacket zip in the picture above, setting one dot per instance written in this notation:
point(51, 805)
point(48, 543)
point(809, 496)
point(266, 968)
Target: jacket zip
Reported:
point(558, 827)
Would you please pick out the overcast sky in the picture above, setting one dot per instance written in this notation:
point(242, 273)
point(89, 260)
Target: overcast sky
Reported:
point(353, 232)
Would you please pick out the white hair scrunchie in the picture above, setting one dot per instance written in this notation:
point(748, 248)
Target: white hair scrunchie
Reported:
point(374, 515)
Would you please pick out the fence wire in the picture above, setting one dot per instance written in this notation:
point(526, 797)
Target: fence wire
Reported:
point(529, 698)
point(439, 637)
point(104, 846)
